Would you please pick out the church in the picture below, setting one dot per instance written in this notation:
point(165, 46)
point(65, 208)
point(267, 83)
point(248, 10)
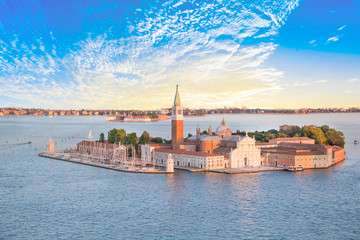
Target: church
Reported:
point(216, 150)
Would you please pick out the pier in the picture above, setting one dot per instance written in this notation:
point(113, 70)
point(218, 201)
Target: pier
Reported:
point(68, 157)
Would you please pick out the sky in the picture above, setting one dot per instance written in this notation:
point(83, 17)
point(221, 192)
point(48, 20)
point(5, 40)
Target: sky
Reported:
point(107, 54)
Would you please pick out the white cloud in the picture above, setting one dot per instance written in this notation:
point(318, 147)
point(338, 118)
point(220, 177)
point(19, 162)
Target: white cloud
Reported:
point(341, 28)
point(322, 81)
point(312, 42)
point(348, 91)
point(333, 39)
point(297, 84)
point(167, 47)
point(351, 80)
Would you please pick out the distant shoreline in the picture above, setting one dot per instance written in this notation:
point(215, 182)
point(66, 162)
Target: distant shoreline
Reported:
point(184, 115)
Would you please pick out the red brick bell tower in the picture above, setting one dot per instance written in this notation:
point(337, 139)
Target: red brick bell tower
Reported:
point(177, 120)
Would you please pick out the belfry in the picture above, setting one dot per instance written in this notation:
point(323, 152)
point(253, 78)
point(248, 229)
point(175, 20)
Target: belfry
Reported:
point(177, 120)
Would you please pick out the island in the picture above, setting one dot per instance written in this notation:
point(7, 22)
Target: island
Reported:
point(291, 148)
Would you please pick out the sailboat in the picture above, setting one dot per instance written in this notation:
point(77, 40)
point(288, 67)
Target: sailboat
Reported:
point(90, 137)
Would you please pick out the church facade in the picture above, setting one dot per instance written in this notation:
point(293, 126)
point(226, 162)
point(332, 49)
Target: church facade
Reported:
point(215, 150)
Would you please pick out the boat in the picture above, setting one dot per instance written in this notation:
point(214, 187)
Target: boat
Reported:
point(90, 137)
point(355, 141)
point(29, 142)
point(294, 168)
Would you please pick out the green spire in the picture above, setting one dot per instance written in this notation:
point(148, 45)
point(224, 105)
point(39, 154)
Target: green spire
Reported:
point(177, 97)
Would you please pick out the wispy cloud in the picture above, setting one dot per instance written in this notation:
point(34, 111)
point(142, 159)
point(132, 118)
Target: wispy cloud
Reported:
point(322, 81)
point(198, 46)
point(341, 28)
point(351, 80)
point(313, 42)
point(297, 84)
point(333, 39)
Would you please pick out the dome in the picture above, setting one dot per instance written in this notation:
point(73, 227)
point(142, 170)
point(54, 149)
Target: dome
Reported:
point(223, 130)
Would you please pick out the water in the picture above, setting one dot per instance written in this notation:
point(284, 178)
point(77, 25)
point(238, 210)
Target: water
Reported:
point(49, 199)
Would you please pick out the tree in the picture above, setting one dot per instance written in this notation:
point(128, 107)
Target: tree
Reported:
point(325, 128)
point(144, 138)
point(204, 132)
point(335, 138)
point(269, 137)
point(290, 130)
point(102, 137)
point(131, 138)
point(116, 136)
point(157, 140)
point(281, 135)
point(314, 133)
point(153, 115)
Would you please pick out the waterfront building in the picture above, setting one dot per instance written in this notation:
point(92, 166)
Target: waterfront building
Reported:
point(206, 151)
point(305, 155)
point(241, 151)
point(191, 159)
point(222, 150)
point(104, 151)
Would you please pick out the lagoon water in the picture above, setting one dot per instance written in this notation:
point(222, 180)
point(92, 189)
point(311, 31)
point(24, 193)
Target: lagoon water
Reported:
point(49, 199)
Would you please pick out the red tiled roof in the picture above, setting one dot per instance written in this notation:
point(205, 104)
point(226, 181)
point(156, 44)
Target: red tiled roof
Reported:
point(337, 148)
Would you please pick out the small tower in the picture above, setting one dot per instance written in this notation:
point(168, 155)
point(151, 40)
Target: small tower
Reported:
point(198, 133)
point(170, 164)
point(50, 146)
point(210, 130)
point(177, 120)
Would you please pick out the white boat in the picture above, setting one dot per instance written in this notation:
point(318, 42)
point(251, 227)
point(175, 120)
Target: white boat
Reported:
point(90, 137)
point(294, 168)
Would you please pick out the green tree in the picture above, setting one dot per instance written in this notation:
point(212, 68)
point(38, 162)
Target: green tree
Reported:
point(153, 115)
point(269, 137)
point(273, 131)
point(325, 128)
point(144, 138)
point(157, 140)
point(116, 136)
point(102, 137)
point(281, 135)
point(291, 130)
point(335, 138)
point(314, 133)
point(131, 138)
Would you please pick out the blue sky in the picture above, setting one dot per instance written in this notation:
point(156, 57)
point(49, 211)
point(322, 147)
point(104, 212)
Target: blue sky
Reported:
point(64, 54)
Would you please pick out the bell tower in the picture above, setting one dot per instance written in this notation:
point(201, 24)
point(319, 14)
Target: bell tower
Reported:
point(177, 120)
